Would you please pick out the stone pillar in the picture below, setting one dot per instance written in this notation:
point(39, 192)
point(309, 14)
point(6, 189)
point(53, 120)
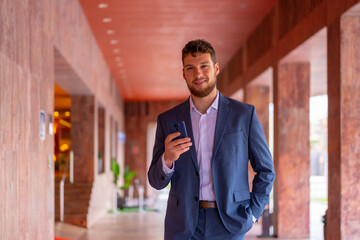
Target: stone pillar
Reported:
point(259, 97)
point(343, 215)
point(291, 150)
point(83, 137)
point(101, 157)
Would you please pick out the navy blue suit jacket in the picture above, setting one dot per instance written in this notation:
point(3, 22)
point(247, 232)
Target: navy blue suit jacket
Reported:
point(238, 138)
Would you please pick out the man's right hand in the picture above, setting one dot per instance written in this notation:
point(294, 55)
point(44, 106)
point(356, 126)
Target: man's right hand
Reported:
point(173, 149)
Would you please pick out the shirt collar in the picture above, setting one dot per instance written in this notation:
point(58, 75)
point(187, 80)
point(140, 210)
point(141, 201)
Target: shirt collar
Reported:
point(214, 105)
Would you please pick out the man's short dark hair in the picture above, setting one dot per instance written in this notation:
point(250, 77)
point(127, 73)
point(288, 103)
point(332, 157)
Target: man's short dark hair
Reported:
point(198, 46)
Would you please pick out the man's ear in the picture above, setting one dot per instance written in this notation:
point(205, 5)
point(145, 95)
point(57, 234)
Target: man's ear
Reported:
point(183, 73)
point(217, 68)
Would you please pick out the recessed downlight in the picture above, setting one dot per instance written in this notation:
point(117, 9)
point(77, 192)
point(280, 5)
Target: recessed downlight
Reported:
point(107, 20)
point(103, 5)
point(110, 32)
point(116, 50)
point(114, 42)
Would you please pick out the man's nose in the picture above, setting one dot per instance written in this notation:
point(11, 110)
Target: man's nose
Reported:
point(198, 72)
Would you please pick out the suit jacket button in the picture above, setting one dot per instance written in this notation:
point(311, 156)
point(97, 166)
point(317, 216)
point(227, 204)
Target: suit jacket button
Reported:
point(162, 178)
point(196, 198)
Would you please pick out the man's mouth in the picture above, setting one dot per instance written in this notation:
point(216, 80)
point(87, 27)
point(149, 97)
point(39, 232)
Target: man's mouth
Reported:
point(199, 82)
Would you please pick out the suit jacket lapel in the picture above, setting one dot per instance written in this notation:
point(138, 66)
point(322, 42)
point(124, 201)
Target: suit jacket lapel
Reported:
point(224, 111)
point(185, 111)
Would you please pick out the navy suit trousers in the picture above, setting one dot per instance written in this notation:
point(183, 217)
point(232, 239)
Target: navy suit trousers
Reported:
point(210, 227)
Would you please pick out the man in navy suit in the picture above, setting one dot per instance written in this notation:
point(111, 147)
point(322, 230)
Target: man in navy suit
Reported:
point(208, 170)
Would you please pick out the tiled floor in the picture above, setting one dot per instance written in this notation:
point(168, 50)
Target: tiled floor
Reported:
point(150, 225)
point(126, 226)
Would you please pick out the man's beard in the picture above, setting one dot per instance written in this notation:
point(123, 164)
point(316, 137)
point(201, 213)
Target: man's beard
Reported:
point(204, 92)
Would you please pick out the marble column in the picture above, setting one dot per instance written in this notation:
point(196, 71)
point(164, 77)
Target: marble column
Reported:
point(259, 97)
point(83, 137)
point(291, 149)
point(343, 215)
point(101, 141)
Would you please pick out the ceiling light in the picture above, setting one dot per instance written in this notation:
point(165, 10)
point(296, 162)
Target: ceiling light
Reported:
point(114, 41)
point(120, 64)
point(122, 71)
point(116, 50)
point(107, 20)
point(110, 32)
point(118, 59)
point(103, 5)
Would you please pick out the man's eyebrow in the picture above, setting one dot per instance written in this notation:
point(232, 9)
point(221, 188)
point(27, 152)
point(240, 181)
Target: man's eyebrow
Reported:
point(190, 65)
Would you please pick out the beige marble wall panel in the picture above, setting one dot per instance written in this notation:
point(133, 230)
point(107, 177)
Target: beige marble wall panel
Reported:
point(26, 80)
point(11, 196)
point(2, 199)
point(5, 102)
point(16, 122)
point(24, 221)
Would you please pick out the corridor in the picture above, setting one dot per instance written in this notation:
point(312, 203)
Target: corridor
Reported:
point(84, 81)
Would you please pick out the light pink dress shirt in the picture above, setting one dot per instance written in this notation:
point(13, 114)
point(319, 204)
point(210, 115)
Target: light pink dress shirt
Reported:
point(203, 126)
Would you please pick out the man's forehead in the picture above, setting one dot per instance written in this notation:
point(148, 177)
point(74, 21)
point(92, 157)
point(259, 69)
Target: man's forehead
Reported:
point(196, 57)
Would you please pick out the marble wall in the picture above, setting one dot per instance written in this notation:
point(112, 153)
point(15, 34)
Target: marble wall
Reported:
point(26, 87)
point(29, 33)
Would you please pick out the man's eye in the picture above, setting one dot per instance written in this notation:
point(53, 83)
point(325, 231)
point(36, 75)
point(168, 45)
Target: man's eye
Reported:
point(204, 66)
point(189, 68)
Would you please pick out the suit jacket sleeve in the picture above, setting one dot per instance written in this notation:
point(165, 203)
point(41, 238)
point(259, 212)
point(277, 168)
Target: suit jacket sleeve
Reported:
point(157, 178)
point(262, 164)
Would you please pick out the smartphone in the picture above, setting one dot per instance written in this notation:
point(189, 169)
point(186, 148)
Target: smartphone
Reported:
point(178, 127)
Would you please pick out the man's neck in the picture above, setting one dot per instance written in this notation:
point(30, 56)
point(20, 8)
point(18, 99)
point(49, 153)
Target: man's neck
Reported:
point(203, 103)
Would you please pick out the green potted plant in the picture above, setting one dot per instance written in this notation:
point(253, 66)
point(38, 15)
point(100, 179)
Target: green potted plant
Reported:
point(128, 176)
point(324, 222)
point(115, 168)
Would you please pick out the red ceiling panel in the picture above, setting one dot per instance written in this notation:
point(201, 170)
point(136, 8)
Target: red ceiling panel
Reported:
point(142, 39)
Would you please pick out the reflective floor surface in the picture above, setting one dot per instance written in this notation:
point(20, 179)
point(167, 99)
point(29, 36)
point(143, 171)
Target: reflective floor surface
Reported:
point(126, 226)
point(150, 225)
